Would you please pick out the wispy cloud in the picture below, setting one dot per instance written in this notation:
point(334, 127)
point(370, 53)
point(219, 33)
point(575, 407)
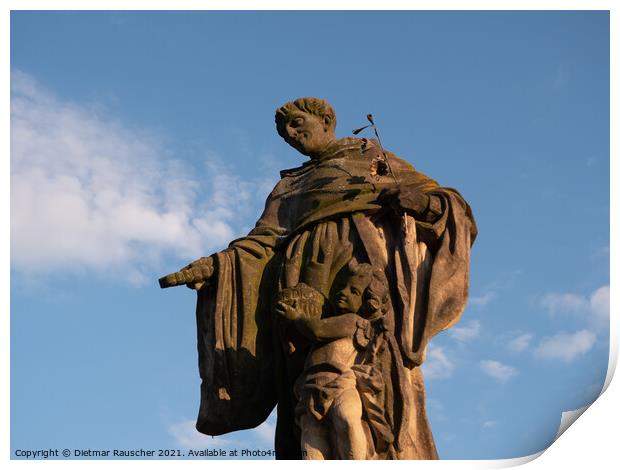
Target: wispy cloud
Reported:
point(599, 303)
point(482, 300)
point(489, 424)
point(565, 346)
point(593, 308)
point(501, 372)
point(504, 280)
point(437, 365)
point(468, 331)
point(555, 303)
point(88, 192)
point(521, 342)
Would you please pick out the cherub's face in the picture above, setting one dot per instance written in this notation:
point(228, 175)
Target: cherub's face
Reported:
point(349, 299)
point(308, 133)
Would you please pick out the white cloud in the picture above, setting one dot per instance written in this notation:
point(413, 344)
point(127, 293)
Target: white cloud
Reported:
point(555, 303)
point(596, 306)
point(599, 304)
point(489, 424)
point(482, 300)
point(565, 346)
point(501, 372)
point(466, 332)
point(520, 343)
point(437, 365)
point(503, 281)
point(90, 193)
point(186, 436)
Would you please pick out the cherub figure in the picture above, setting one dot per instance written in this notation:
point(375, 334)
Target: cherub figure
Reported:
point(330, 407)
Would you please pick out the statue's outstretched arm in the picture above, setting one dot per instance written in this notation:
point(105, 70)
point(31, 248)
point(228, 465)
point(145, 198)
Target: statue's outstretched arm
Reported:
point(194, 275)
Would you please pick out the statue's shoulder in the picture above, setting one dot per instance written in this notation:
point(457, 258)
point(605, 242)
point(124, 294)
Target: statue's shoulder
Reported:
point(408, 174)
point(371, 148)
point(400, 163)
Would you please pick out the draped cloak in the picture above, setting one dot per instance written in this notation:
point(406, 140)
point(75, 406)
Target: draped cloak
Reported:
point(316, 219)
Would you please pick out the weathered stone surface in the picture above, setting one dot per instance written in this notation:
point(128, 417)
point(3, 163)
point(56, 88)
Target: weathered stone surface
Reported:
point(326, 307)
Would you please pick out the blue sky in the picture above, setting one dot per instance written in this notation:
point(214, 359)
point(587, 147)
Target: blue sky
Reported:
point(142, 140)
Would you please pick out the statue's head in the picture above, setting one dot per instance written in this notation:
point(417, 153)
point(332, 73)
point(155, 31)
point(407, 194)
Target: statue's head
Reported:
point(307, 124)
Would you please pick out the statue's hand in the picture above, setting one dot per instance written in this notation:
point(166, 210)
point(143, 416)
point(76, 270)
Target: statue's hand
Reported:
point(204, 267)
point(194, 275)
point(404, 199)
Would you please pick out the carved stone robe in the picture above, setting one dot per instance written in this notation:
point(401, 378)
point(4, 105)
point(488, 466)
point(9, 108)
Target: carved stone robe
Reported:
point(316, 219)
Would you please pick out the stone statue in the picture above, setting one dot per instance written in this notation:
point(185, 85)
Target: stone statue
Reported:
point(327, 306)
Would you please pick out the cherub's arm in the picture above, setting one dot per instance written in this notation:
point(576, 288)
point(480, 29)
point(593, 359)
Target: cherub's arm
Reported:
point(312, 326)
point(331, 328)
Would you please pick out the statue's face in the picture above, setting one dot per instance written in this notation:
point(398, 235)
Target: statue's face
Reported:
point(308, 133)
point(350, 298)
